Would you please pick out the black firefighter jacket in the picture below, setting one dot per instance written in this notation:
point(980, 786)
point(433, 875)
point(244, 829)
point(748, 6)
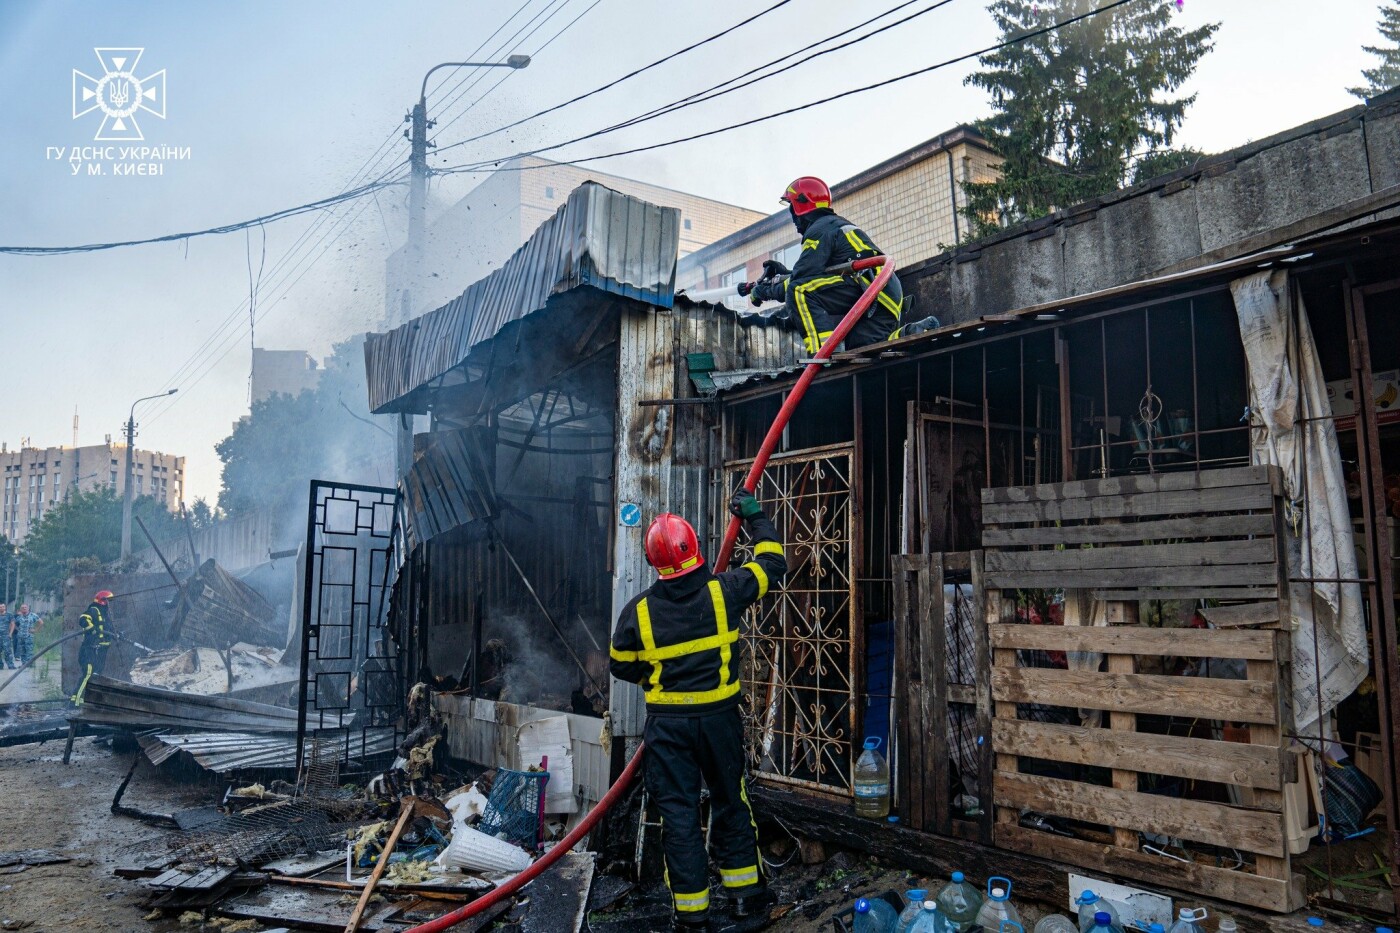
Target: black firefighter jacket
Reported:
point(815, 301)
point(678, 639)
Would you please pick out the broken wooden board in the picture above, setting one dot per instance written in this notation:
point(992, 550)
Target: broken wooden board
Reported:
point(558, 899)
point(31, 857)
point(303, 866)
point(202, 880)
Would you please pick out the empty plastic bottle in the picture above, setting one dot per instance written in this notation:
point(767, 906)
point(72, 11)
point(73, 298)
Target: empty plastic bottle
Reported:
point(1090, 903)
point(913, 905)
point(871, 782)
point(929, 920)
point(875, 915)
point(1103, 923)
point(1156, 928)
point(1189, 921)
point(959, 901)
point(997, 908)
point(1225, 923)
point(1057, 923)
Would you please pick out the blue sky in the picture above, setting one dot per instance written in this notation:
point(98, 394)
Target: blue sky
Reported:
point(282, 103)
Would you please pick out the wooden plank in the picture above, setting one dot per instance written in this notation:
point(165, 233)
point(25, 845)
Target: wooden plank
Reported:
point(1269, 736)
point(983, 667)
point(1000, 611)
point(1192, 592)
point(933, 639)
point(1188, 554)
point(905, 730)
point(1171, 755)
point(1195, 820)
point(1138, 639)
point(1193, 697)
point(1242, 615)
point(965, 694)
point(1234, 886)
point(407, 805)
point(1128, 485)
point(1182, 502)
point(1184, 578)
point(1205, 526)
point(1124, 779)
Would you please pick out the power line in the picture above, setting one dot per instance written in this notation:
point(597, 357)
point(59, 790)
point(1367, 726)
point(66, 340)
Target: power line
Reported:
point(723, 88)
point(479, 166)
point(226, 228)
point(632, 74)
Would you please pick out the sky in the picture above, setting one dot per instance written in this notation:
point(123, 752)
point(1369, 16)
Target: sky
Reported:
point(280, 104)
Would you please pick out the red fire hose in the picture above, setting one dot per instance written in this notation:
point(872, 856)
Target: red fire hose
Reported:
point(731, 535)
point(775, 432)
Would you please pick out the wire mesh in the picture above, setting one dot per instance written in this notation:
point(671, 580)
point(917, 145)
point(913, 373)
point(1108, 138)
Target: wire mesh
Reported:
point(515, 808)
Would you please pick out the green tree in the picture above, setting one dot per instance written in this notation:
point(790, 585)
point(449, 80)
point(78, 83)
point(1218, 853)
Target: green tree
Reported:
point(326, 433)
point(84, 532)
point(1386, 74)
point(1164, 162)
point(8, 562)
point(202, 515)
point(1073, 105)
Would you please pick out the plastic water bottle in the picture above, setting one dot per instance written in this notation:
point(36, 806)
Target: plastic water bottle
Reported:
point(959, 902)
point(875, 915)
point(871, 781)
point(1058, 923)
point(1103, 923)
point(1189, 921)
point(929, 920)
point(1156, 928)
point(1225, 924)
point(913, 905)
point(1089, 904)
point(997, 908)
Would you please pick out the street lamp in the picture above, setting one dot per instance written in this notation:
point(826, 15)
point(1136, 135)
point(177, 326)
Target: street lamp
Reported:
point(130, 455)
point(417, 219)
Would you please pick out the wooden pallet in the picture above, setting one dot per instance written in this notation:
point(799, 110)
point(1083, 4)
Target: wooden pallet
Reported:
point(1212, 535)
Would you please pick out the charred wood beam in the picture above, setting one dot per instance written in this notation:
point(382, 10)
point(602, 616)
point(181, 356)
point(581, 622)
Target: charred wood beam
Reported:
point(162, 820)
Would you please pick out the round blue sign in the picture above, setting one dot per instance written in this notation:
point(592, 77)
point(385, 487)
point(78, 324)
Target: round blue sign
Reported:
point(630, 514)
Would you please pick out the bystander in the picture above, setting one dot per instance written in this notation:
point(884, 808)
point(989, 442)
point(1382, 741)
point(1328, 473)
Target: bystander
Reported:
point(7, 647)
point(22, 627)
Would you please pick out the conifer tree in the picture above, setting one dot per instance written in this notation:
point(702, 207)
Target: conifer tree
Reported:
point(1386, 74)
point(1074, 107)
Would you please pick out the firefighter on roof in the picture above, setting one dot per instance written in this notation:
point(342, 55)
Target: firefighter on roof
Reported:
point(679, 640)
point(814, 301)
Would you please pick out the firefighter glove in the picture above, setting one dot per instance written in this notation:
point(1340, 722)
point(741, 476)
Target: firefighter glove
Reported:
point(744, 505)
point(772, 269)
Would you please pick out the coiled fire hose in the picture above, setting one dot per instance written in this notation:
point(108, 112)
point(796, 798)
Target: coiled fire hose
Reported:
point(731, 536)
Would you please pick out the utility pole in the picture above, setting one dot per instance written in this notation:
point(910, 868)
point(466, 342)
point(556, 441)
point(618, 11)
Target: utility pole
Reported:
point(129, 490)
point(417, 134)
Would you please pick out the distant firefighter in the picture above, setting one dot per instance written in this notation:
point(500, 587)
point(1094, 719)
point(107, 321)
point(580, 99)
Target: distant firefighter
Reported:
point(96, 626)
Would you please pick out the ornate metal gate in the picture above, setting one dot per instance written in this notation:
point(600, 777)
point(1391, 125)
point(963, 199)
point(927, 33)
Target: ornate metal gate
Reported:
point(350, 697)
point(802, 643)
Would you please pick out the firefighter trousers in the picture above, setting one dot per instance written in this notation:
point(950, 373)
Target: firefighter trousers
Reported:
point(681, 752)
point(91, 660)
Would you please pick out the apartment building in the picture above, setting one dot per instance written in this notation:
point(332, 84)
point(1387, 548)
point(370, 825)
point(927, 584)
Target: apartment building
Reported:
point(283, 372)
point(908, 204)
point(37, 479)
point(476, 235)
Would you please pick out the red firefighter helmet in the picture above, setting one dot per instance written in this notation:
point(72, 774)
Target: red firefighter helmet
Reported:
point(102, 597)
point(672, 546)
point(806, 194)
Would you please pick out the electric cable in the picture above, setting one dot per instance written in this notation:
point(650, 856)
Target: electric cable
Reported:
point(632, 74)
point(479, 166)
point(724, 87)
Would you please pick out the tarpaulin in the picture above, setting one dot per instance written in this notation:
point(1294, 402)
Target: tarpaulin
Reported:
point(1292, 428)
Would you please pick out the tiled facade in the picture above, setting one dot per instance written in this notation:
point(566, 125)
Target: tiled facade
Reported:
point(908, 205)
point(35, 480)
point(476, 235)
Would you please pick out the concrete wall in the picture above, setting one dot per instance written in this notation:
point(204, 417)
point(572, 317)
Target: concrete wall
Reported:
point(1226, 205)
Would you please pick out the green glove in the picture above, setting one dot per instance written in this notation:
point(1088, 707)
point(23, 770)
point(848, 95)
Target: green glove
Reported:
point(744, 505)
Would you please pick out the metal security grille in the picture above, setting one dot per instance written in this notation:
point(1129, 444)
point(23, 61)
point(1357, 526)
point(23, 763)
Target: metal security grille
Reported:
point(800, 664)
point(350, 672)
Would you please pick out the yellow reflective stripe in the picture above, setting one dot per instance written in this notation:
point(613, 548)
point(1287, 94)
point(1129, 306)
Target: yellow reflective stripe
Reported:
point(744, 796)
point(685, 565)
point(857, 244)
point(894, 307)
point(739, 877)
point(622, 655)
point(691, 903)
point(726, 637)
point(759, 574)
point(693, 646)
point(811, 244)
point(768, 547)
point(649, 640)
point(809, 327)
point(665, 698)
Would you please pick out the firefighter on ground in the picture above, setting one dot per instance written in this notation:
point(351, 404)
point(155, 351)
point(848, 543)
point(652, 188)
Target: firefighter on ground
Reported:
point(815, 301)
point(679, 640)
point(96, 626)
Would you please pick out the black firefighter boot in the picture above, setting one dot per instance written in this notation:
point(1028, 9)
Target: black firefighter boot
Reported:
point(751, 907)
point(683, 924)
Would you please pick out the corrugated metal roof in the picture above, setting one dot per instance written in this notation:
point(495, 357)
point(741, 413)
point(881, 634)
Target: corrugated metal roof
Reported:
point(223, 752)
point(601, 238)
point(448, 486)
